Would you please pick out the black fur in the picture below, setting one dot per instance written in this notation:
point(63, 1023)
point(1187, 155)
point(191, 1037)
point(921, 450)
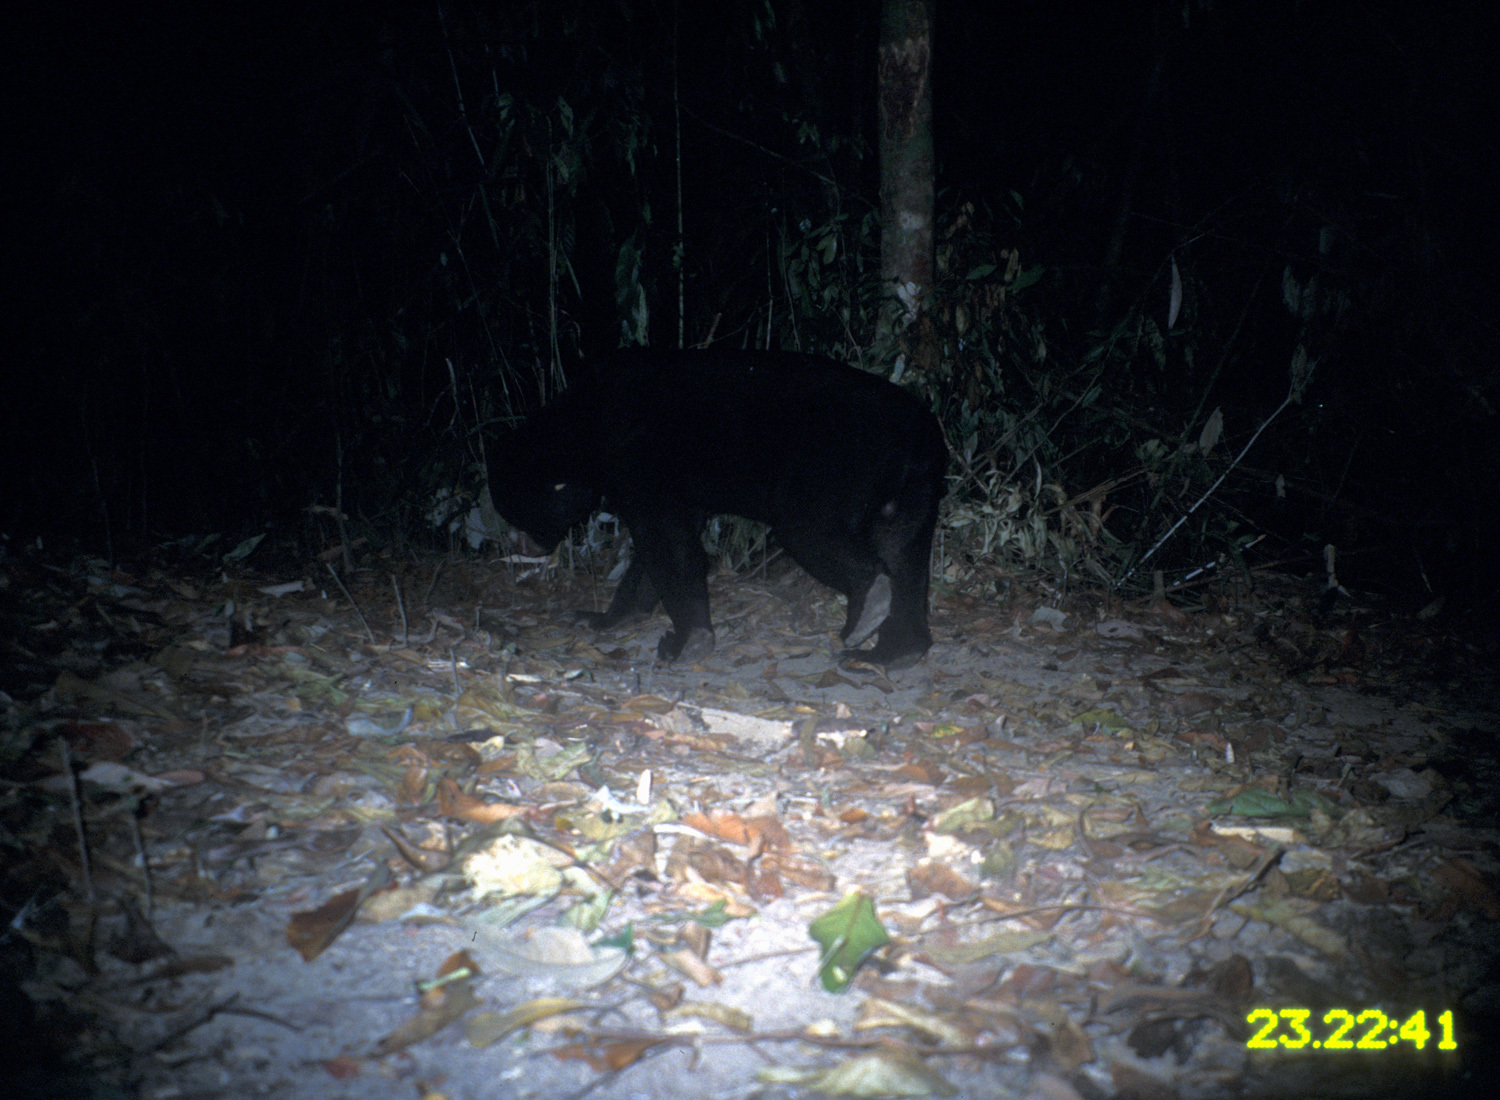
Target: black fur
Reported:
point(846, 468)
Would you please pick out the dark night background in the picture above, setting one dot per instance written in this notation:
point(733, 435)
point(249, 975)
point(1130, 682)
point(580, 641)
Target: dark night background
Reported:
point(246, 243)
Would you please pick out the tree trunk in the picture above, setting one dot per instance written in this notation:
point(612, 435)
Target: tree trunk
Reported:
point(906, 168)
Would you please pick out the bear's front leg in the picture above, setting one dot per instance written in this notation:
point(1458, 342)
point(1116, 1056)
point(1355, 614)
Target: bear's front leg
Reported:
point(669, 547)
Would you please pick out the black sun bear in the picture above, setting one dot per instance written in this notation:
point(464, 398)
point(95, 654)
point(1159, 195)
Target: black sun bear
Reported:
point(846, 468)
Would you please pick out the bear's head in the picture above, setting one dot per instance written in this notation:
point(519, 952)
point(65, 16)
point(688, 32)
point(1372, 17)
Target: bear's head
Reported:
point(533, 491)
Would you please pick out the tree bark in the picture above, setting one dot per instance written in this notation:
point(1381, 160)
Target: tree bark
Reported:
point(906, 165)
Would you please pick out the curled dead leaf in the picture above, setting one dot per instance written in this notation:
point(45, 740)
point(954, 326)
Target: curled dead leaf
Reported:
point(487, 1028)
point(439, 1008)
point(608, 1057)
point(452, 802)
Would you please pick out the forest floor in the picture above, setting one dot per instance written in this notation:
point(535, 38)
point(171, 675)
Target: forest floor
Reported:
point(426, 838)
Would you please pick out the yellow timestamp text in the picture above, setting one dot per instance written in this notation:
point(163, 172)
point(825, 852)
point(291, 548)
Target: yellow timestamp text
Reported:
point(1340, 1029)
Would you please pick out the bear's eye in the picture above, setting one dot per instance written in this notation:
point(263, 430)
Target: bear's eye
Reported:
point(559, 487)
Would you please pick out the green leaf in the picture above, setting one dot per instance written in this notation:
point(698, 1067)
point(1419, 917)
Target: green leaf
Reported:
point(1106, 718)
point(973, 812)
point(623, 939)
point(1259, 802)
point(847, 933)
point(712, 917)
point(1027, 277)
point(586, 914)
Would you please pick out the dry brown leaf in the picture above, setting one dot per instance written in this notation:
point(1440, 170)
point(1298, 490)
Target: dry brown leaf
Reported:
point(488, 1028)
point(608, 1057)
point(920, 772)
point(312, 930)
point(452, 802)
point(700, 742)
point(665, 997)
point(706, 893)
point(799, 870)
point(1296, 919)
point(647, 704)
point(182, 965)
point(736, 1019)
point(764, 883)
point(1233, 979)
point(504, 764)
point(71, 687)
point(880, 1012)
point(1313, 883)
point(398, 901)
point(456, 962)
point(687, 963)
point(928, 878)
point(725, 826)
point(1069, 1045)
point(410, 756)
point(1366, 889)
point(439, 1008)
point(97, 740)
point(971, 786)
point(704, 861)
point(1468, 883)
point(771, 831)
point(1164, 609)
point(422, 858)
point(888, 1072)
point(413, 786)
point(1131, 1080)
point(635, 853)
point(341, 1067)
point(944, 955)
point(1192, 703)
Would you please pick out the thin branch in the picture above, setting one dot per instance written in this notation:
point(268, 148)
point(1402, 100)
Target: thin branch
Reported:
point(1291, 396)
point(759, 148)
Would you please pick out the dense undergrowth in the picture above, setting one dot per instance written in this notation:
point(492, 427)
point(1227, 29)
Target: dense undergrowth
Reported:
point(1145, 377)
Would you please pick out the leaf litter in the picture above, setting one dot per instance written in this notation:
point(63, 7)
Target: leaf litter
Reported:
point(254, 845)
